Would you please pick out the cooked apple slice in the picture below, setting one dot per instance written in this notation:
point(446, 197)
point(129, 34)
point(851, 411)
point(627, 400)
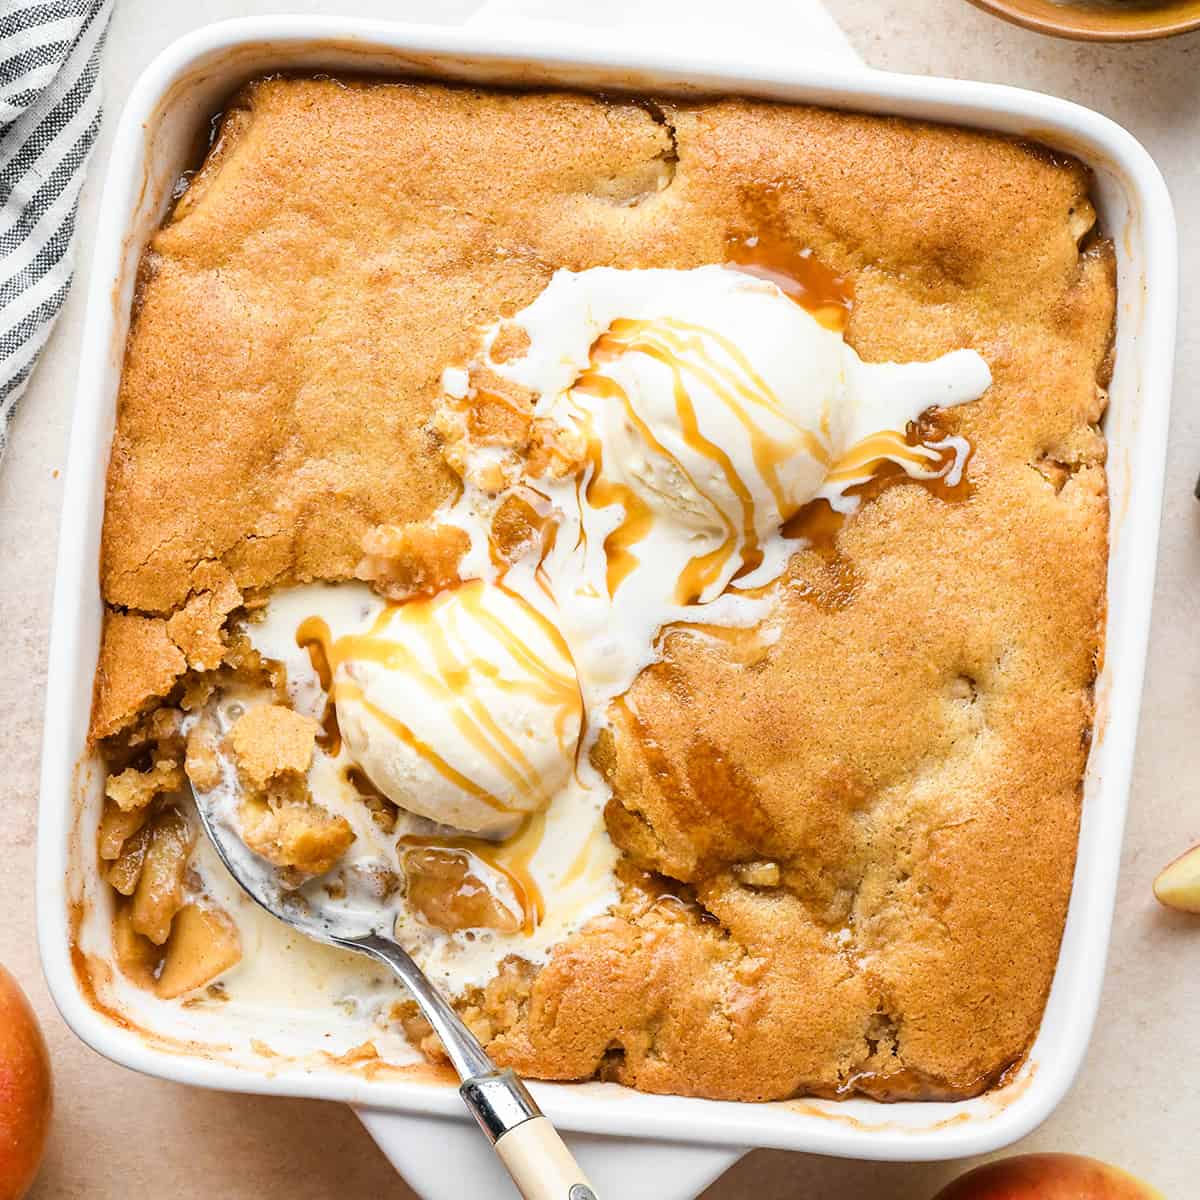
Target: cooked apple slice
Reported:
point(203, 943)
point(1178, 883)
point(159, 894)
point(136, 955)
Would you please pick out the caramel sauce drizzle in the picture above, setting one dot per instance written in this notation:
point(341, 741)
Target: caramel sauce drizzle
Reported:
point(549, 540)
point(693, 353)
point(449, 683)
point(798, 274)
point(819, 523)
point(639, 519)
point(868, 456)
point(635, 525)
point(330, 737)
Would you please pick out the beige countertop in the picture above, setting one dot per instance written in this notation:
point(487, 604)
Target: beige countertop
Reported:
point(1137, 1101)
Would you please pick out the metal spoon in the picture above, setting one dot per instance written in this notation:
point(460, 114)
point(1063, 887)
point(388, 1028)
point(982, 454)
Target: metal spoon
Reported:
point(528, 1145)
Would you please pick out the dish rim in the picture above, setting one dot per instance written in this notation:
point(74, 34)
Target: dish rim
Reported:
point(853, 1128)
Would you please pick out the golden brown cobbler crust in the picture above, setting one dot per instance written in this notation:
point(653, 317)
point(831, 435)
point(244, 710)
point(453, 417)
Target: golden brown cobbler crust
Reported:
point(910, 760)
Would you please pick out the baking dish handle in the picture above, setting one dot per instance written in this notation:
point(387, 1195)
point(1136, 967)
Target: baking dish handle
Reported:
point(444, 1158)
point(758, 31)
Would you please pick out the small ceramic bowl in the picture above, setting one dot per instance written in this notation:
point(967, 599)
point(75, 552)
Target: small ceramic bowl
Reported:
point(1099, 20)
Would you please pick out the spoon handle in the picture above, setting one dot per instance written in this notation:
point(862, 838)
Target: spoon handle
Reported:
point(462, 1047)
point(526, 1143)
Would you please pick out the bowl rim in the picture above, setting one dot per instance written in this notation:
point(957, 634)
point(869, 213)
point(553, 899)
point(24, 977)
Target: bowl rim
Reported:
point(1016, 12)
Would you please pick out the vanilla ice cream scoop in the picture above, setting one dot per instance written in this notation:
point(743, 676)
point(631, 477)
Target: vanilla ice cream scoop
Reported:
point(463, 708)
point(721, 431)
point(716, 407)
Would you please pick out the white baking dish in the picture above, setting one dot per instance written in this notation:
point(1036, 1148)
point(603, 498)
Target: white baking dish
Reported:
point(156, 140)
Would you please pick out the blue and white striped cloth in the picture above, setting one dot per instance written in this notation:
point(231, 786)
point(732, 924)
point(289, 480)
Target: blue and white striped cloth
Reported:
point(49, 117)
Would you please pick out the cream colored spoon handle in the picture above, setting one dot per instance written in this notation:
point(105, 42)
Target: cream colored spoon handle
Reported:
point(540, 1164)
point(528, 1145)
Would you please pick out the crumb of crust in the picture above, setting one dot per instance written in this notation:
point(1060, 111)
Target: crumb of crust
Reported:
point(556, 451)
point(198, 627)
point(495, 416)
point(517, 527)
point(499, 412)
point(155, 736)
point(139, 664)
point(449, 422)
point(159, 728)
point(243, 664)
point(489, 1012)
point(498, 420)
point(418, 559)
point(272, 745)
point(202, 762)
point(294, 834)
point(511, 341)
point(133, 789)
point(197, 690)
point(489, 472)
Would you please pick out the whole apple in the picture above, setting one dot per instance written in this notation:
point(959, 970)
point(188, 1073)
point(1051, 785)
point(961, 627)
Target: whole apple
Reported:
point(1048, 1177)
point(24, 1091)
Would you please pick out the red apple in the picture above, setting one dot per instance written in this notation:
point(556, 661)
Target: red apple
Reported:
point(1048, 1177)
point(24, 1091)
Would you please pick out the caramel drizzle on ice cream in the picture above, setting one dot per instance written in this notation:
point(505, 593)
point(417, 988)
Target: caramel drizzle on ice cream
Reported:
point(697, 355)
point(449, 682)
point(919, 460)
point(692, 354)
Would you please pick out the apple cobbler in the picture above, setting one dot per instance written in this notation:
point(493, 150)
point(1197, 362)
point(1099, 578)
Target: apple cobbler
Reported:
point(651, 553)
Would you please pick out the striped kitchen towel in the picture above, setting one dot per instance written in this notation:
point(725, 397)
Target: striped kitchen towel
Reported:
point(49, 117)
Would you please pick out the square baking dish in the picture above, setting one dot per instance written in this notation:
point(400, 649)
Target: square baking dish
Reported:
point(156, 140)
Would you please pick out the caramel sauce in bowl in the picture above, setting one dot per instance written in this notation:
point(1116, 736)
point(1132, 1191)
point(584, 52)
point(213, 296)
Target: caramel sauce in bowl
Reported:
point(1099, 20)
